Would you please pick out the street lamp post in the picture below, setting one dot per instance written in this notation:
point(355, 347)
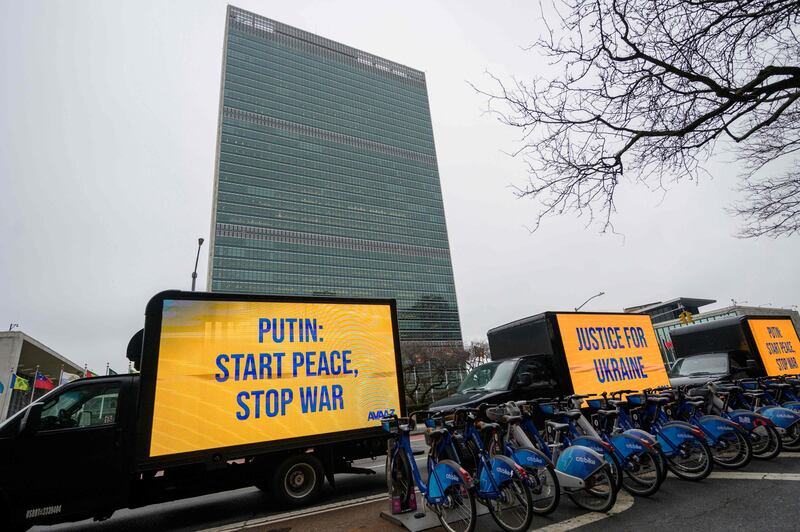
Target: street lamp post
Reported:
point(584, 303)
point(196, 260)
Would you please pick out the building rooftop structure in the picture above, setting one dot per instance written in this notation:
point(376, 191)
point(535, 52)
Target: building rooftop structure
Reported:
point(672, 309)
point(24, 356)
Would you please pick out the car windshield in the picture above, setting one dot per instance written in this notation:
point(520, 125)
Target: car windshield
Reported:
point(710, 364)
point(491, 376)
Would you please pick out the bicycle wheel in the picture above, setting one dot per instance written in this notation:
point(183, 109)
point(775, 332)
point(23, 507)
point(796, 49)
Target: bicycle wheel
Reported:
point(692, 460)
point(458, 513)
point(399, 481)
point(661, 460)
point(598, 494)
point(641, 474)
point(545, 489)
point(766, 442)
point(513, 510)
point(732, 451)
point(615, 468)
point(791, 438)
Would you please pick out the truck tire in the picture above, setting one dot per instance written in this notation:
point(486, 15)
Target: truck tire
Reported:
point(298, 480)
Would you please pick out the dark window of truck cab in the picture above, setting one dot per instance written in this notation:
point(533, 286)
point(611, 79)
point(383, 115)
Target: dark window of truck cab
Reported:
point(81, 407)
point(540, 369)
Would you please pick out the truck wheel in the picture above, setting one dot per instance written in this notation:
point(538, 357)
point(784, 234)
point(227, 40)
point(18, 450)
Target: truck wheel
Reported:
point(298, 480)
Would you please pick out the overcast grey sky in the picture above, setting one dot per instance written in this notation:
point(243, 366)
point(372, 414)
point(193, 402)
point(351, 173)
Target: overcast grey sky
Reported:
point(108, 120)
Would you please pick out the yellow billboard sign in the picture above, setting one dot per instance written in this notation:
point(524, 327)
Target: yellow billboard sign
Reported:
point(242, 372)
point(610, 352)
point(778, 345)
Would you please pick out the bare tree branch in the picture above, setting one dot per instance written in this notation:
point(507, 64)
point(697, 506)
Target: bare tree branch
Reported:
point(646, 90)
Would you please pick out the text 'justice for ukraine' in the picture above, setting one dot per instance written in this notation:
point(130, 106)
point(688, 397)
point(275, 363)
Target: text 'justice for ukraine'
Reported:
point(619, 368)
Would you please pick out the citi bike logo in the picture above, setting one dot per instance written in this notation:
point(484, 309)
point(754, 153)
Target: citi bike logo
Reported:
point(585, 460)
point(743, 419)
point(505, 472)
point(452, 476)
point(633, 446)
point(379, 414)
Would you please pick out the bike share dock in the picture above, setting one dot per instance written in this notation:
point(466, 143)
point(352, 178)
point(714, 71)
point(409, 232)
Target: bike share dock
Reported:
point(419, 520)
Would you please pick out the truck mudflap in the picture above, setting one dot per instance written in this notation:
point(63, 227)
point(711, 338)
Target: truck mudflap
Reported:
point(502, 469)
point(749, 420)
point(716, 426)
point(626, 445)
point(579, 461)
point(446, 474)
point(782, 417)
point(530, 458)
point(675, 433)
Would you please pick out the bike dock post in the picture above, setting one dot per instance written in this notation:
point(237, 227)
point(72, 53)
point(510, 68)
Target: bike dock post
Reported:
point(417, 521)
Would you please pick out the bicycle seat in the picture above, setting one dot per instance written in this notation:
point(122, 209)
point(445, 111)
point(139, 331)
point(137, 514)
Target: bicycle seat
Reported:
point(778, 385)
point(696, 402)
point(608, 413)
point(753, 394)
point(557, 426)
point(495, 413)
point(435, 434)
point(658, 400)
point(617, 402)
point(489, 427)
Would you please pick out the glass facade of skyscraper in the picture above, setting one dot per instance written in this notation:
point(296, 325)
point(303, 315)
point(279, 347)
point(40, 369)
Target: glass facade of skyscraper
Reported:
point(326, 179)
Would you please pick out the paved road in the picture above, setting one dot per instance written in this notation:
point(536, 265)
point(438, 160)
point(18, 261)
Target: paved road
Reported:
point(760, 497)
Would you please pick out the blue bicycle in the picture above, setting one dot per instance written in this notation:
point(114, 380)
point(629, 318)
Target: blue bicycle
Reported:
point(687, 453)
point(449, 489)
point(501, 484)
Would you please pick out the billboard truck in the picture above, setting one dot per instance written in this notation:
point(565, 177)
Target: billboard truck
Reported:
point(735, 348)
point(233, 391)
point(564, 353)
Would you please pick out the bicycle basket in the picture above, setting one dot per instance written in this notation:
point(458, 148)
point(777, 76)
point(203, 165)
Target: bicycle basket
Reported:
point(548, 408)
point(636, 399)
point(595, 404)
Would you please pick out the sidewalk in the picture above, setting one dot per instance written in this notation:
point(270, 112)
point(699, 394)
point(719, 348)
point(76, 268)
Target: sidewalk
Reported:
point(361, 517)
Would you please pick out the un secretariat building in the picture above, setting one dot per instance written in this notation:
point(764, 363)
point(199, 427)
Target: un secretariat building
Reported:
point(326, 179)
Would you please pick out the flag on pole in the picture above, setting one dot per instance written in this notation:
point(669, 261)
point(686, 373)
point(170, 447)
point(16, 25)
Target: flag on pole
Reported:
point(67, 377)
point(43, 383)
point(18, 383)
point(89, 373)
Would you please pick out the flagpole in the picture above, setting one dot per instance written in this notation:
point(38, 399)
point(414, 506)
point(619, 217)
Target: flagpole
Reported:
point(9, 391)
point(33, 386)
point(107, 368)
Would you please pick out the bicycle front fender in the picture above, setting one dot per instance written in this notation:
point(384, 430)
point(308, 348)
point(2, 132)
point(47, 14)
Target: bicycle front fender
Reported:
point(579, 461)
point(716, 426)
point(782, 417)
point(502, 469)
point(530, 458)
point(749, 420)
point(595, 444)
point(672, 435)
point(642, 435)
point(792, 405)
point(445, 474)
point(626, 445)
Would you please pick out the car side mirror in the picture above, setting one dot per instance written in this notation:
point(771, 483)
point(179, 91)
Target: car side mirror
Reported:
point(30, 421)
point(524, 380)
